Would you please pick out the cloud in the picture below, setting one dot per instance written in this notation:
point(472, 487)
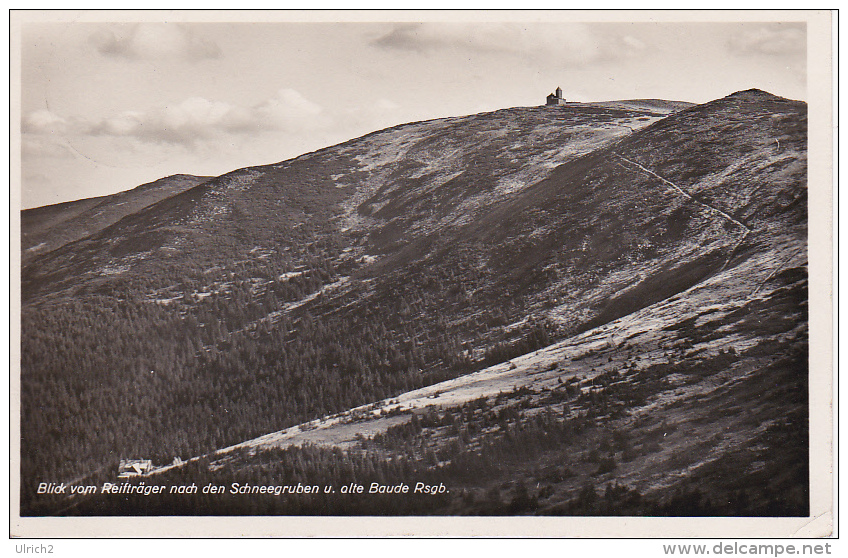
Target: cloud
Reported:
point(198, 119)
point(34, 147)
point(570, 44)
point(42, 122)
point(149, 41)
point(774, 40)
point(285, 110)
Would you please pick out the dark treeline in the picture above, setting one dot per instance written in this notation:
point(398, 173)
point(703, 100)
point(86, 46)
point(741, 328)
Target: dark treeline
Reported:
point(201, 358)
point(491, 456)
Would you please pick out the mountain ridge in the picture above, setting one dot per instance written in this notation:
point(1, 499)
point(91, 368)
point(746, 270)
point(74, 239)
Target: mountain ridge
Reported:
point(605, 262)
point(46, 228)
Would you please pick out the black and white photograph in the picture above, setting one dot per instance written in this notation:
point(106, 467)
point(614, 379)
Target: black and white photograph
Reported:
point(459, 266)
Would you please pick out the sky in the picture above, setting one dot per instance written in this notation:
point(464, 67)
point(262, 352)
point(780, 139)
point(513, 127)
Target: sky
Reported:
point(106, 107)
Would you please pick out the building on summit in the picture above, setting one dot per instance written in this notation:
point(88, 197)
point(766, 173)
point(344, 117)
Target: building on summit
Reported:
point(555, 99)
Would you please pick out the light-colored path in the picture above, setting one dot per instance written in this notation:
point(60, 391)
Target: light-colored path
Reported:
point(709, 207)
point(684, 193)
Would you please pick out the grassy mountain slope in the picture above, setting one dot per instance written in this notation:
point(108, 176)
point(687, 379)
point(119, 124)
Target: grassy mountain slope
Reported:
point(44, 229)
point(624, 234)
point(416, 178)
